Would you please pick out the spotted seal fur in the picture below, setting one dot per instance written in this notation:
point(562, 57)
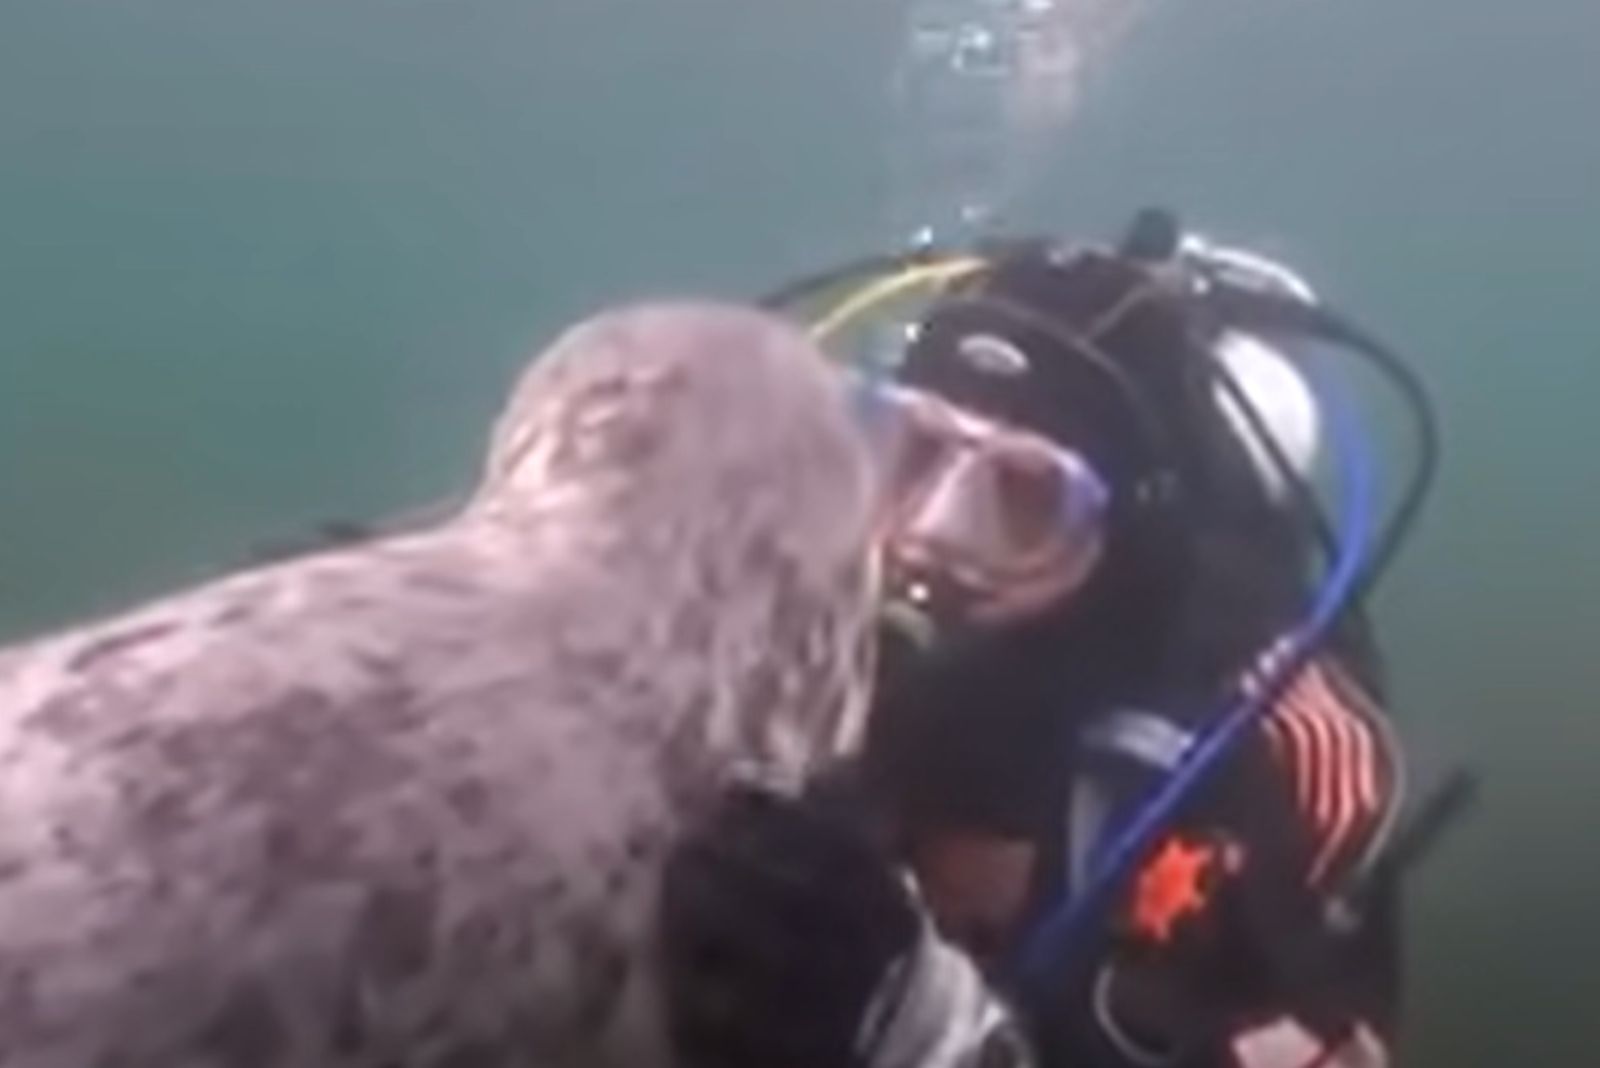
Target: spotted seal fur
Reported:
point(403, 804)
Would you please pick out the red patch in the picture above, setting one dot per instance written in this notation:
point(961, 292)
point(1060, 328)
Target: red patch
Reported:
point(1171, 887)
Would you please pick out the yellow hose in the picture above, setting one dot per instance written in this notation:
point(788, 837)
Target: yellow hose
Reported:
point(871, 295)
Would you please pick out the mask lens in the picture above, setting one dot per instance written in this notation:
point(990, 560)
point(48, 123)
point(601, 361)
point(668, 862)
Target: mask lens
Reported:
point(1031, 490)
point(918, 456)
point(981, 507)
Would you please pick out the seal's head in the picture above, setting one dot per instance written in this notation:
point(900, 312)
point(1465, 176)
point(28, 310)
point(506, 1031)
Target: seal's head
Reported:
point(495, 726)
point(706, 455)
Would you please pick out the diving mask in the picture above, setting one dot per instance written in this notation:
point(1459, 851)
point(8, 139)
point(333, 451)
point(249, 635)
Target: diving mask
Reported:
point(982, 521)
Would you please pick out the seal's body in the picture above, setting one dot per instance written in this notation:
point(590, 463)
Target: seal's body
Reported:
point(405, 803)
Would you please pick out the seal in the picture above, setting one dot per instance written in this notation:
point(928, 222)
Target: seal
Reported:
point(405, 803)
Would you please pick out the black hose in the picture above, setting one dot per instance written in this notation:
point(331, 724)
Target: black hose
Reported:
point(1281, 314)
point(1304, 497)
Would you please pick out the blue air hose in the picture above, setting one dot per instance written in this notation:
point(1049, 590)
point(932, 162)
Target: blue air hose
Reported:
point(1060, 935)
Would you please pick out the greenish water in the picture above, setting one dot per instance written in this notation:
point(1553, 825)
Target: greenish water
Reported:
point(262, 264)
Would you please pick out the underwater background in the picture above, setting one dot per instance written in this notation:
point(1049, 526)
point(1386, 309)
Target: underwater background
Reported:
point(266, 264)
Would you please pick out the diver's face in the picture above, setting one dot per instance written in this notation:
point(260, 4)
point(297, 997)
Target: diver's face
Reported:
point(983, 522)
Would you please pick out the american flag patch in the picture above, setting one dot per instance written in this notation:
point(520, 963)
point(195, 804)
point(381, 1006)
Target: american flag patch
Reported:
point(1331, 741)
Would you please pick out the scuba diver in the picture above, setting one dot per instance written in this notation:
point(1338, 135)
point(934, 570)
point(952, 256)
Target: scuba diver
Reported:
point(1130, 795)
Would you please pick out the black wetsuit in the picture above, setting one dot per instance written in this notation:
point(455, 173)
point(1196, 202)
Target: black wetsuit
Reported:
point(1282, 827)
point(805, 930)
point(1044, 736)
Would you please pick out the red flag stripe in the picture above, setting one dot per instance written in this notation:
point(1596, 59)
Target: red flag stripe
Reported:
point(1329, 749)
point(1343, 774)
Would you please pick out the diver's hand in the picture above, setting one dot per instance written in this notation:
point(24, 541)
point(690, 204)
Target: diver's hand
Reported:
point(791, 941)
